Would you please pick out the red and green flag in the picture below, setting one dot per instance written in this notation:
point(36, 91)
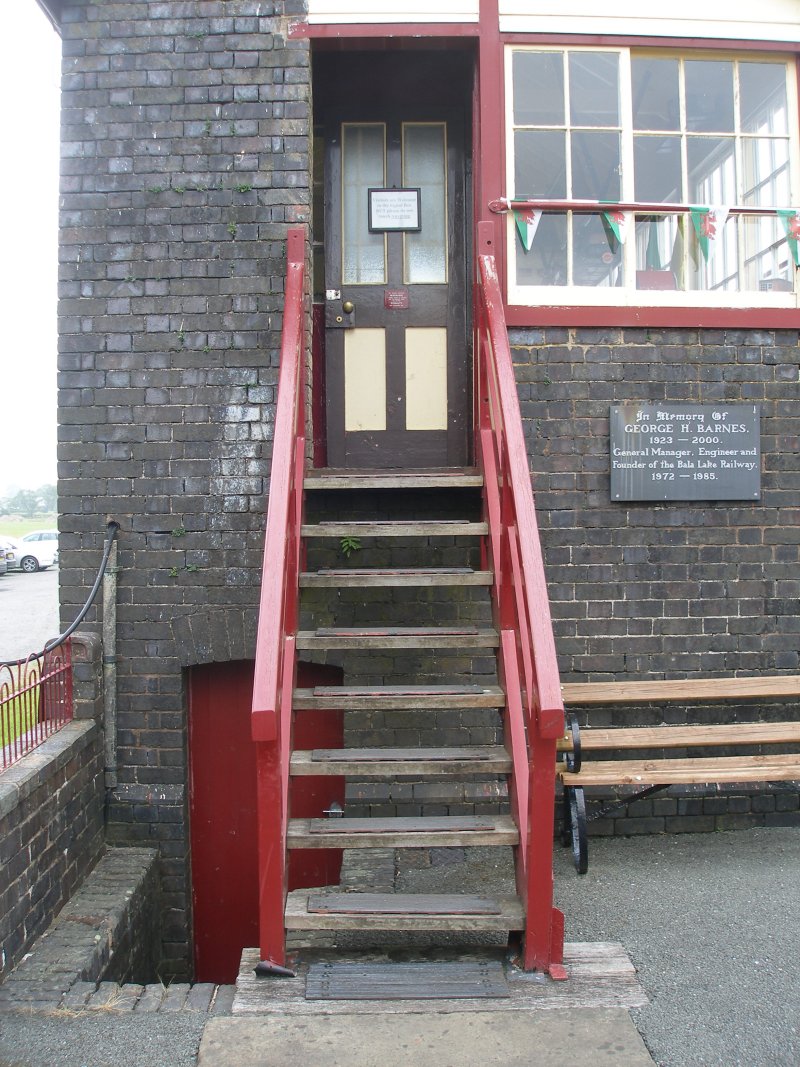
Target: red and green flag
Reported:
point(617, 222)
point(527, 220)
point(790, 218)
point(708, 223)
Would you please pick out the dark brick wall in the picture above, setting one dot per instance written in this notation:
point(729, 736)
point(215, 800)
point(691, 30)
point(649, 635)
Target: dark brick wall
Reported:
point(185, 156)
point(51, 833)
point(674, 589)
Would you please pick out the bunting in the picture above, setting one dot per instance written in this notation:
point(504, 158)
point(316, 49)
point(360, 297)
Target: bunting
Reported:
point(527, 220)
point(618, 222)
point(708, 223)
point(790, 217)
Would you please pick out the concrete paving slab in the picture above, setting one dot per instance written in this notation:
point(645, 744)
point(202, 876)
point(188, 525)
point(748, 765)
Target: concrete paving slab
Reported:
point(588, 1037)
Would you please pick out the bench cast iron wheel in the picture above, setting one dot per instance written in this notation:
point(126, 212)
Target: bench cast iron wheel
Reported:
point(29, 564)
point(577, 828)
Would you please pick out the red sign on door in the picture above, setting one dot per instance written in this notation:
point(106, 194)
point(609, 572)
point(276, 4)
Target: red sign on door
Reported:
point(395, 299)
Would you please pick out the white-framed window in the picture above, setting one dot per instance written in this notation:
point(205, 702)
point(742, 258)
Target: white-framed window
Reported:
point(652, 127)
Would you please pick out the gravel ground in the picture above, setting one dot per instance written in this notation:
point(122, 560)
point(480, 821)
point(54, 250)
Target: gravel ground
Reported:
point(711, 921)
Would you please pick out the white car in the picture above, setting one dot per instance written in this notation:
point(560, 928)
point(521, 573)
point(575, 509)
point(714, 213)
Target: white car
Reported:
point(29, 556)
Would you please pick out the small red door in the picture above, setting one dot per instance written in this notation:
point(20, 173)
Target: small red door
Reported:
point(222, 804)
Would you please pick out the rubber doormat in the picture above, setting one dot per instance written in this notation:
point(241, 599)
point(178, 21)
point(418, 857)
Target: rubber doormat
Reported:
point(406, 981)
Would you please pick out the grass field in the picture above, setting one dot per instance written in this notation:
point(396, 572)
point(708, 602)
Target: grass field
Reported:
point(16, 527)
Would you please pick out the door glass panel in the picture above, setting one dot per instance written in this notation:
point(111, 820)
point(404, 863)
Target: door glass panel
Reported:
point(363, 167)
point(426, 378)
point(365, 379)
point(425, 168)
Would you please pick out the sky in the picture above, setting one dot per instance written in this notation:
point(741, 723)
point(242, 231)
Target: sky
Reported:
point(30, 64)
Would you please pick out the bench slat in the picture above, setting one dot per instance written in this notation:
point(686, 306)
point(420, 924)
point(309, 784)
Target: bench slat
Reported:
point(773, 768)
point(695, 690)
point(743, 733)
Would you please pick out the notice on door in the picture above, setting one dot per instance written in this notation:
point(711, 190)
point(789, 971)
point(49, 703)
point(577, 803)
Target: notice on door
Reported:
point(685, 452)
point(394, 211)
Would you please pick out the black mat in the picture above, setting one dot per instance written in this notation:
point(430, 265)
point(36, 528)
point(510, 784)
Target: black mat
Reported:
point(406, 981)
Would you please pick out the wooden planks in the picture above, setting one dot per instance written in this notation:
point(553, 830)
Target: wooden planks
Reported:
point(600, 975)
point(596, 738)
point(401, 911)
point(386, 762)
point(695, 690)
point(432, 528)
point(422, 697)
point(692, 771)
point(397, 637)
point(446, 831)
point(429, 478)
point(357, 578)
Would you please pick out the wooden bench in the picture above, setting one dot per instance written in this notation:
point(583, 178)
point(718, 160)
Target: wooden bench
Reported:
point(648, 773)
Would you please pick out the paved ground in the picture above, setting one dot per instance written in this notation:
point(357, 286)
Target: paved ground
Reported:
point(712, 922)
point(28, 612)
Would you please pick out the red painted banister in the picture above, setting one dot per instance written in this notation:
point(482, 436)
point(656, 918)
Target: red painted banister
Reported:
point(534, 713)
point(278, 611)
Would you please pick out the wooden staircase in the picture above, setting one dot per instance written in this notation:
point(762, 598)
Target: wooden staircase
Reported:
point(308, 910)
point(499, 666)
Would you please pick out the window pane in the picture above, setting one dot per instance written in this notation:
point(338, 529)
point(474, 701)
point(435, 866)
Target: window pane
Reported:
point(363, 255)
point(659, 252)
point(595, 165)
point(540, 164)
point(596, 253)
point(712, 170)
point(546, 263)
point(721, 270)
point(762, 92)
point(424, 166)
point(594, 88)
point(767, 263)
point(657, 169)
point(765, 166)
point(538, 88)
point(709, 95)
point(656, 100)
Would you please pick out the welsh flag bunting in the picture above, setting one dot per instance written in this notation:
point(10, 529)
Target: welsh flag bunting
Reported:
point(527, 221)
point(708, 222)
point(617, 221)
point(791, 224)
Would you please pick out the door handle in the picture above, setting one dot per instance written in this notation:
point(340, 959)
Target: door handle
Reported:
point(340, 314)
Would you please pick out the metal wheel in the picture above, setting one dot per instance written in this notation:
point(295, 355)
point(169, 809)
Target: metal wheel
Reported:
point(29, 564)
point(577, 829)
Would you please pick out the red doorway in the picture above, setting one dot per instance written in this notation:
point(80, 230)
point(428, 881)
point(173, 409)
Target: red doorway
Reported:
point(222, 806)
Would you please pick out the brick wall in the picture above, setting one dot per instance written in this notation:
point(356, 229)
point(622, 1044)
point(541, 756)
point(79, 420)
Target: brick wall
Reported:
point(185, 156)
point(51, 818)
point(672, 589)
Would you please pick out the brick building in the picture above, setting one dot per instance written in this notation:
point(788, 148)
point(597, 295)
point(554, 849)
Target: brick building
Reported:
point(187, 133)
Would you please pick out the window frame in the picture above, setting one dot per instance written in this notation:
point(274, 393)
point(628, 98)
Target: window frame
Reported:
point(626, 296)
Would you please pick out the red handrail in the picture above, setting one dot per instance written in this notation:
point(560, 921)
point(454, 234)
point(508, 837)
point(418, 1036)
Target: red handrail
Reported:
point(278, 610)
point(35, 701)
point(534, 714)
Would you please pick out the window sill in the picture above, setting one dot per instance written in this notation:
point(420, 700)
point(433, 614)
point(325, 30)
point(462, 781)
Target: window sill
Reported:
point(770, 317)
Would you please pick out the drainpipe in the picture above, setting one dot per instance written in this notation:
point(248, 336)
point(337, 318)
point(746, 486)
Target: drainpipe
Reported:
point(110, 667)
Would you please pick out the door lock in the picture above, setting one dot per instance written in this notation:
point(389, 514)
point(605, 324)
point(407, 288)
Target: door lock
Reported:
point(339, 314)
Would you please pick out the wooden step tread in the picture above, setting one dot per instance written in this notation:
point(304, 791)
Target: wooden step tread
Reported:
point(383, 762)
point(443, 831)
point(742, 733)
point(399, 697)
point(690, 771)
point(310, 909)
point(397, 637)
point(398, 576)
point(696, 690)
point(396, 528)
point(402, 478)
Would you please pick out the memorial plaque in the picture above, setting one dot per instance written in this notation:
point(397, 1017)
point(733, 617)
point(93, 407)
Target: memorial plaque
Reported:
point(395, 299)
point(685, 452)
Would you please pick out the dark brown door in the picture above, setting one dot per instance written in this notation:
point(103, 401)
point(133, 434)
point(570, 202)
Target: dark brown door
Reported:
point(397, 363)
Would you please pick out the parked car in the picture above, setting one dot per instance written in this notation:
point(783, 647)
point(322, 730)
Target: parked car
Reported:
point(30, 556)
point(41, 535)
